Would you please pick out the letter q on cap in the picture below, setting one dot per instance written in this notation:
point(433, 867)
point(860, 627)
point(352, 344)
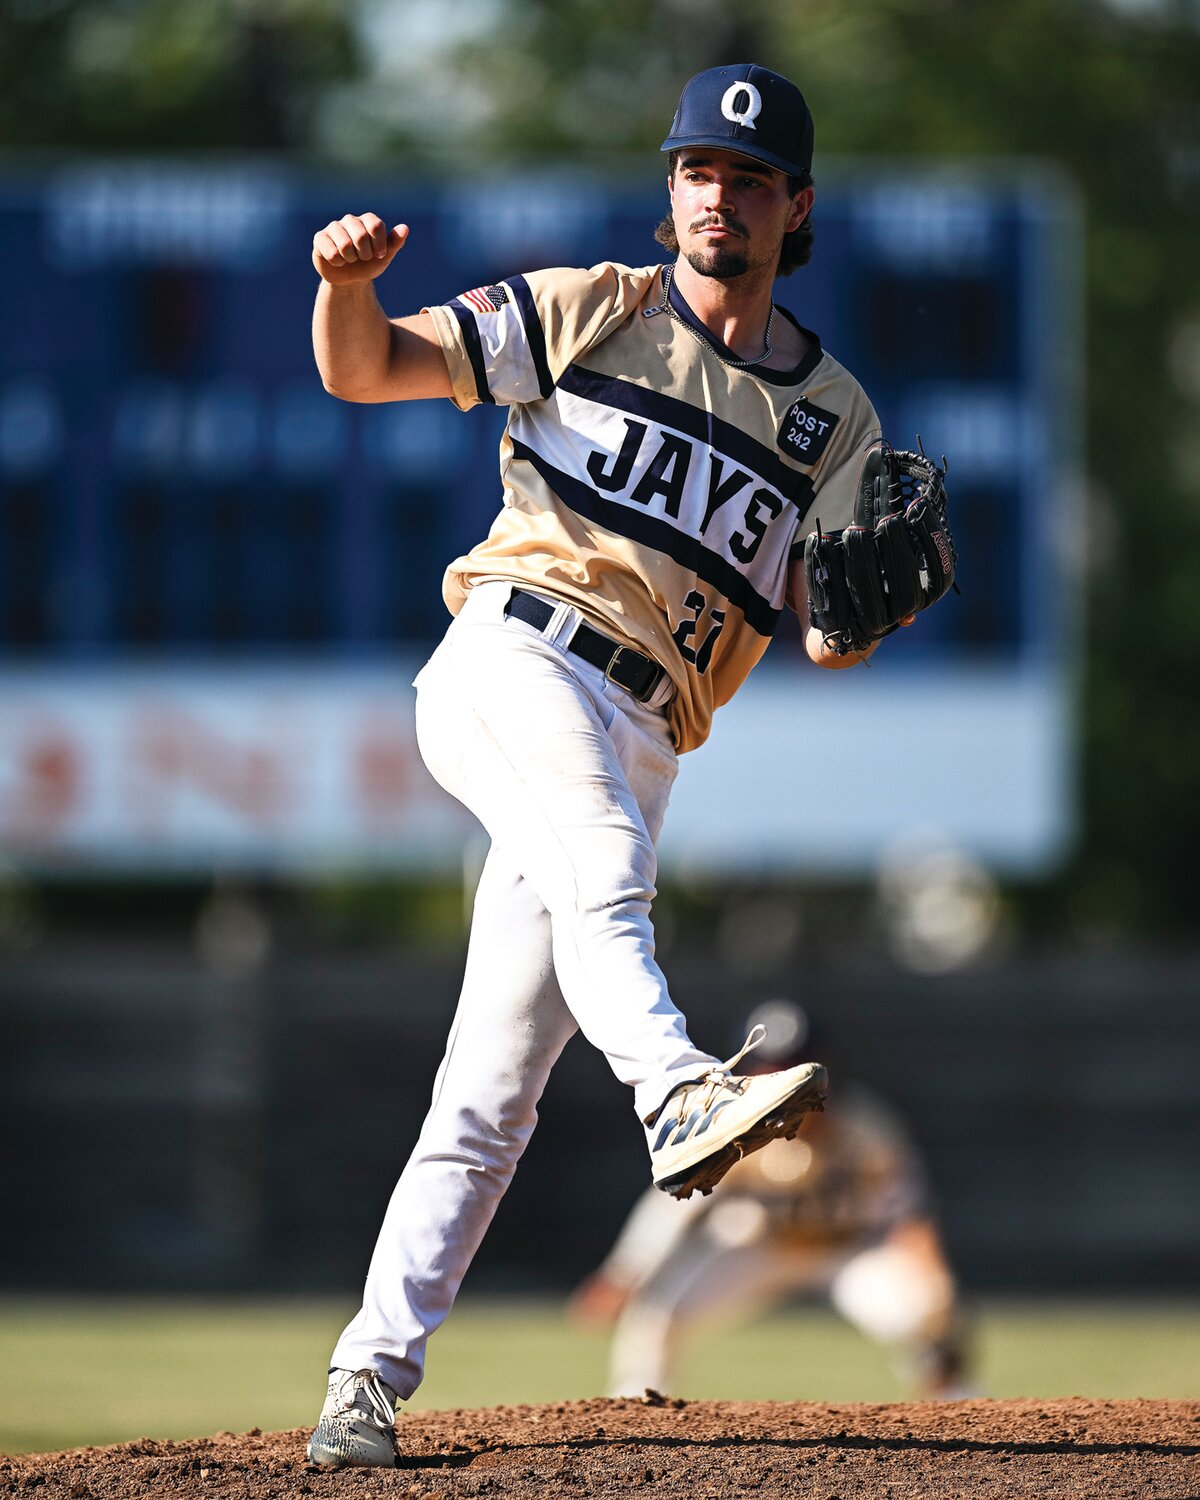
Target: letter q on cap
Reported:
point(753, 107)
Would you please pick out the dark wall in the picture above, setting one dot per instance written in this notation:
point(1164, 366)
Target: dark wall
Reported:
point(166, 1127)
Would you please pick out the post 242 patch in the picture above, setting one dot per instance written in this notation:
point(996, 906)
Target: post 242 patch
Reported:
point(806, 431)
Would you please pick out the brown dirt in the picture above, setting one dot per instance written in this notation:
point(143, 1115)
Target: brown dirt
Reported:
point(698, 1450)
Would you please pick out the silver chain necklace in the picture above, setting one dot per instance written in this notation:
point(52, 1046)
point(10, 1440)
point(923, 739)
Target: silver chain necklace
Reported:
point(736, 364)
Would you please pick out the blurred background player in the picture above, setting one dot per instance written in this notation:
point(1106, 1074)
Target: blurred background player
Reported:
point(842, 1211)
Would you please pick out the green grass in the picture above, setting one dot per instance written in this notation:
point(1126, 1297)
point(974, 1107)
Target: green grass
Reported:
point(76, 1371)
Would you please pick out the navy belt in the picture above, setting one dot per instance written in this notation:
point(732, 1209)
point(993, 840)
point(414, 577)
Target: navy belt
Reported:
point(629, 669)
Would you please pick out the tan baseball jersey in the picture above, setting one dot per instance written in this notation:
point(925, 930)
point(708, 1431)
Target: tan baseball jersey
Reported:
point(647, 480)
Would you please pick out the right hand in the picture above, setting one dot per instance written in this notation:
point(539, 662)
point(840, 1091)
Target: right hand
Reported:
point(355, 249)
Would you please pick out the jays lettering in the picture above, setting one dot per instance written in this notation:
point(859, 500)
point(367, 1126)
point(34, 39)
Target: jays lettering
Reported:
point(662, 471)
point(675, 478)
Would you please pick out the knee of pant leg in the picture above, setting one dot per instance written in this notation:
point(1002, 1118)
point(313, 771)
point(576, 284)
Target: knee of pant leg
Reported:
point(490, 1139)
point(888, 1295)
point(619, 874)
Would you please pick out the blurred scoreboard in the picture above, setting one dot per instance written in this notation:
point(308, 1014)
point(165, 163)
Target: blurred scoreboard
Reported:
point(216, 580)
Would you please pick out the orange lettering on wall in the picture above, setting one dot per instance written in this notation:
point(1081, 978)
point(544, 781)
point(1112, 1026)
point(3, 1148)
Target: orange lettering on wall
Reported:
point(177, 750)
point(40, 779)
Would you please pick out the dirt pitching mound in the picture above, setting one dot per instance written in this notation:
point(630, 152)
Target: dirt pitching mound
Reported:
point(697, 1450)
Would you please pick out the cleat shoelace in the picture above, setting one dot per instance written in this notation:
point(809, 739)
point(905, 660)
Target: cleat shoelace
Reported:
point(719, 1078)
point(366, 1398)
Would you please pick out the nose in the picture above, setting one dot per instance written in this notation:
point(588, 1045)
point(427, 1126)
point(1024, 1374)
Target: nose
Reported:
point(717, 197)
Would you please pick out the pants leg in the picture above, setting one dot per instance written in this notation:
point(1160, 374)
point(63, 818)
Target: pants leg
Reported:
point(510, 1026)
point(570, 778)
point(893, 1296)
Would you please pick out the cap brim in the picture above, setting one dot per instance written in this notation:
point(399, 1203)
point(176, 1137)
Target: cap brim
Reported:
point(737, 148)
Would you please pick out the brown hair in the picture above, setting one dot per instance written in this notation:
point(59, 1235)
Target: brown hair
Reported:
point(797, 246)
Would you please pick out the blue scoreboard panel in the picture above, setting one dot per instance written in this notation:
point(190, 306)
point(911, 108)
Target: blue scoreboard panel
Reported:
point(174, 481)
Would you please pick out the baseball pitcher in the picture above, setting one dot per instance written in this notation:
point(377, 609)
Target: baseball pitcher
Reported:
point(681, 461)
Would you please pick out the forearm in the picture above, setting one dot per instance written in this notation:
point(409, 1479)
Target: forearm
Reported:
point(352, 341)
point(919, 1237)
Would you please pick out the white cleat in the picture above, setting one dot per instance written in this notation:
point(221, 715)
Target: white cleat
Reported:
point(357, 1427)
point(706, 1126)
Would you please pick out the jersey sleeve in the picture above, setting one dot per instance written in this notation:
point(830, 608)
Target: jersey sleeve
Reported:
point(509, 343)
point(835, 482)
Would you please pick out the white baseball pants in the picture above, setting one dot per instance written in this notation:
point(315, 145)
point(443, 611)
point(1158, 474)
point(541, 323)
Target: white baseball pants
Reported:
point(570, 777)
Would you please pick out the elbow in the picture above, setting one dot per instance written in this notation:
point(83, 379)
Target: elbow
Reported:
point(344, 391)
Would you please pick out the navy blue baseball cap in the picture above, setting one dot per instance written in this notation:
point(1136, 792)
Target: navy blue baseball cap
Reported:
point(748, 109)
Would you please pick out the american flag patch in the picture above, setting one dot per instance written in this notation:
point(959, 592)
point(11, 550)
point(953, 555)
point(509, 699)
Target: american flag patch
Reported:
point(486, 299)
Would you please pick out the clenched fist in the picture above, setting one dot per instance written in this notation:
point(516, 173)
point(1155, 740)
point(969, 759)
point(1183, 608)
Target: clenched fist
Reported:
point(356, 248)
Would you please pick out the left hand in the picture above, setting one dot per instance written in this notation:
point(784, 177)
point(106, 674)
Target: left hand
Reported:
point(897, 558)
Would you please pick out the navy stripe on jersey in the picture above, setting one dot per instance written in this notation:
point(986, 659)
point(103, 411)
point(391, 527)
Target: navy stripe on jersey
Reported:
point(649, 531)
point(670, 411)
point(534, 333)
point(474, 347)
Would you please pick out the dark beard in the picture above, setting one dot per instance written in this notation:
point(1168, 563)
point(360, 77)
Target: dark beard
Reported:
point(719, 261)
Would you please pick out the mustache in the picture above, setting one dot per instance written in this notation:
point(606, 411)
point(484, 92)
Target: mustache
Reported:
point(717, 221)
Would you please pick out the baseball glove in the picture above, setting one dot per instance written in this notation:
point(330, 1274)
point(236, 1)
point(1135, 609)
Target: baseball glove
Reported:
point(896, 558)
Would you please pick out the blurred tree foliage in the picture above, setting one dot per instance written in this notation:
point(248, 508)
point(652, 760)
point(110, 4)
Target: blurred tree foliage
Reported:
point(169, 74)
point(1108, 89)
point(1114, 97)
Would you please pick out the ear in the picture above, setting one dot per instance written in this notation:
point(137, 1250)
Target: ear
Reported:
point(801, 208)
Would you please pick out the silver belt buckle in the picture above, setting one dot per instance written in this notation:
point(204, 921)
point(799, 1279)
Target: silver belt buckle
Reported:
point(616, 656)
point(638, 697)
